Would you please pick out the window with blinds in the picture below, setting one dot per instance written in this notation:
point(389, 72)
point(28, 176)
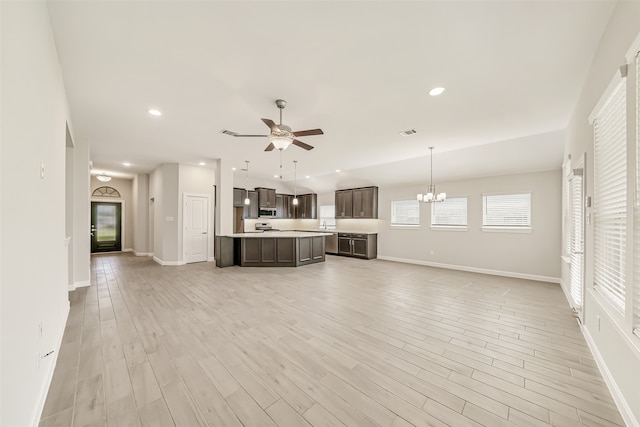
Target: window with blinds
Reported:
point(506, 210)
point(610, 197)
point(328, 216)
point(450, 213)
point(405, 212)
point(576, 268)
point(636, 213)
point(566, 208)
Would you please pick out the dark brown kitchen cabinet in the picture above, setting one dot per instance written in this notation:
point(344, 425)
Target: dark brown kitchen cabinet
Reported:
point(365, 202)
point(251, 210)
point(238, 197)
point(358, 245)
point(307, 206)
point(311, 249)
point(266, 197)
point(284, 206)
point(344, 203)
point(357, 203)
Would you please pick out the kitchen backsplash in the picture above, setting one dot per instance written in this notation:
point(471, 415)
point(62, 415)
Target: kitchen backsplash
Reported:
point(364, 225)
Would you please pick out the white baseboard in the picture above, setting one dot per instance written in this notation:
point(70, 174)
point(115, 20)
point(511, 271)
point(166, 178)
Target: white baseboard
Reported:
point(76, 285)
point(142, 253)
point(211, 259)
point(42, 397)
point(128, 250)
point(474, 269)
point(625, 411)
point(161, 262)
point(566, 292)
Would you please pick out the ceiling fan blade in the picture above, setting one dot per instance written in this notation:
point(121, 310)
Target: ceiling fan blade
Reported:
point(228, 132)
point(270, 147)
point(301, 144)
point(308, 132)
point(271, 124)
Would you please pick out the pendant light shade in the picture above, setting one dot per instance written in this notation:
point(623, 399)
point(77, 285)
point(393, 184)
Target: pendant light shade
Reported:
point(247, 201)
point(295, 179)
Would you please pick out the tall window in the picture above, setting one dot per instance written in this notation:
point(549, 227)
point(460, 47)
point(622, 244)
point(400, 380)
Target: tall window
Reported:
point(507, 211)
point(566, 208)
point(636, 212)
point(610, 196)
point(405, 212)
point(328, 216)
point(576, 267)
point(450, 213)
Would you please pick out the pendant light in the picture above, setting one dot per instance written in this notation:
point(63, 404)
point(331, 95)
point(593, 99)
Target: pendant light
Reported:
point(295, 178)
point(247, 201)
point(431, 195)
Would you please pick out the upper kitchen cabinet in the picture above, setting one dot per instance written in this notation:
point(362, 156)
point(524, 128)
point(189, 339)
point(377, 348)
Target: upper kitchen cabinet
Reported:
point(266, 197)
point(365, 202)
point(251, 210)
point(357, 203)
point(344, 204)
point(238, 197)
point(284, 206)
point(307, 206)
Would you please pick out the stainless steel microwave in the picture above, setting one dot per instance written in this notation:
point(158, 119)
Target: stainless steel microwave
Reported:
point(267, 213)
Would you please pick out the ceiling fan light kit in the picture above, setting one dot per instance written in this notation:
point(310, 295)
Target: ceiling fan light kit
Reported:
point(431, 196)
point(281, 136)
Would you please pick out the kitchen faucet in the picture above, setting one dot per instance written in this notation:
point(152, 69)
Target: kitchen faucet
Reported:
point(324, 224)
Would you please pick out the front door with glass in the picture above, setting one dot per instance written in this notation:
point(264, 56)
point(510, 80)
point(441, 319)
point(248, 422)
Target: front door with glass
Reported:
point(106, 227)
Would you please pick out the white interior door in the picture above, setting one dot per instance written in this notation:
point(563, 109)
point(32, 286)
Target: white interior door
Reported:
point(576, 270)
point(196, 220)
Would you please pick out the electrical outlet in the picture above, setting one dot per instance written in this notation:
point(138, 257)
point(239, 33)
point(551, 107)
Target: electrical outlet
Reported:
point(598, 322)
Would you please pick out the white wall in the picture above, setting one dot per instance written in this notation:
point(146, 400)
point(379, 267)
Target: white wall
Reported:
point(125, 188)
point(612, 341)
point(197, 180)
point(32, 227)
point(81, 238)
point(535, 254)
point(156, 212)
point(140, 212)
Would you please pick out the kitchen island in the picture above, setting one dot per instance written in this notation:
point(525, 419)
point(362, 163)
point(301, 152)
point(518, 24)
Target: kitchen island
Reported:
point(271, 249)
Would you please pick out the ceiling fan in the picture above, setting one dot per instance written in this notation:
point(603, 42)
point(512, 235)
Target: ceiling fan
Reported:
point(281, 135)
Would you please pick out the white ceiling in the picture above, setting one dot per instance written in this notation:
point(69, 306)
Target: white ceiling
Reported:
point(358, 70)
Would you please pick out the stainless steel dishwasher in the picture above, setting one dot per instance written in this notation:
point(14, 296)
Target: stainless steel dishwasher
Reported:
point(331, 243)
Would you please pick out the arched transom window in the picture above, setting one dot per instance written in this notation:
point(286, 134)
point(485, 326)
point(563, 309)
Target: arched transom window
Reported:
point(106, 192)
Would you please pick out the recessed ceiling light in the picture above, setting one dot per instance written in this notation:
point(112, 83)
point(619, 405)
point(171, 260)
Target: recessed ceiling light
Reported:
point(307, 177)
point(436, 91)
point(276, 175)
point(234, 169)
point(202, 163)
point(155, 112)
point(127, 164)
point(337, 170)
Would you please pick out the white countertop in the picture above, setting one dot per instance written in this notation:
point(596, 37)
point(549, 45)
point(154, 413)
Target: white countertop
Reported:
point(280, 234)
point(340, 231)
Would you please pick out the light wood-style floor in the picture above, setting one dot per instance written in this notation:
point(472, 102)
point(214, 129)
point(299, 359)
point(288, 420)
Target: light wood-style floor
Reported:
point(347, 342)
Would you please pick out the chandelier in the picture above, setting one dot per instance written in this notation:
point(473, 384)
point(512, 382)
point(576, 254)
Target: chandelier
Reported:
point(431, 195)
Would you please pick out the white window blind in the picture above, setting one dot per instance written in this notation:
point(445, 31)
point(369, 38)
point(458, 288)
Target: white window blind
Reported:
point(328, 216)
point(450, 213)
point(566, 208)
point(610, 197)
point(636, 213)
point(506, 210)
point(577, 243)
point(405, 212)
